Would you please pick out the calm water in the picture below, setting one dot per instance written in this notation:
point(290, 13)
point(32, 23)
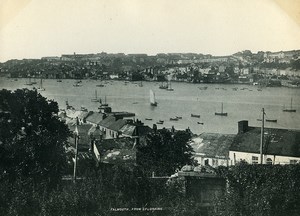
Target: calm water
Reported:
point(186, 99)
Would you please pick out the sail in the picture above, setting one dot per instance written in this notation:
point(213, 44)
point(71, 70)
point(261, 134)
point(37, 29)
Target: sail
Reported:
point(152, 97)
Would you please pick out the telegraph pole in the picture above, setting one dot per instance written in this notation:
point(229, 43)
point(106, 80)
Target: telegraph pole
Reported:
point(262, 136)
point(76, 153)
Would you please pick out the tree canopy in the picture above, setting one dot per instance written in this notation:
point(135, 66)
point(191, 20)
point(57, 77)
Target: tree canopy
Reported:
point(165, 151)
point(32, 138)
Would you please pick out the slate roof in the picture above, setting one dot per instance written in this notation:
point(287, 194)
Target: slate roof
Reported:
point(212, 144)
point(107, 121)
point(281, 142)
point(84, 140)
point(117, 125)
point(121, 150)
point(95, 118)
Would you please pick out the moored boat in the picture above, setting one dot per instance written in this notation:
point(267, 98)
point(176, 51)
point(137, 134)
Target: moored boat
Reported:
point(221, 113)
point(289, 109)
point(160, 122)
point(195, 116)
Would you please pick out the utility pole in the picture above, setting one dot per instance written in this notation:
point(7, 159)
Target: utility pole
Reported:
point(76, 153)
point(262, 136)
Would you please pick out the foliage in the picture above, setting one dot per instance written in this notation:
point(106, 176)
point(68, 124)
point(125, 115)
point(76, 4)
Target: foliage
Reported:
point(164, 152)
point(32, 137)
point(260, 190)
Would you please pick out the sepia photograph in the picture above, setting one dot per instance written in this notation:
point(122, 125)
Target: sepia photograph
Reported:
point(138, 107)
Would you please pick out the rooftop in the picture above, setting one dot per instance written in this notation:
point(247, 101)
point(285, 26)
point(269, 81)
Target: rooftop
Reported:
point(277, 141)
point(212, 144)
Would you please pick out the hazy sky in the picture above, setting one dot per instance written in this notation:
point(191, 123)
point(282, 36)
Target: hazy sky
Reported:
point(36, 28)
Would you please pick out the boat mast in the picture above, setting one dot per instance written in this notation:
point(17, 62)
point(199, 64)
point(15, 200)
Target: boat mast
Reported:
point(222, 108)
point(262, 136)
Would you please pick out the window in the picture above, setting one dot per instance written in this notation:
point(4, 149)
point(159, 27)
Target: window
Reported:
point(293, 161)
point(269, 161)
point(254, 160)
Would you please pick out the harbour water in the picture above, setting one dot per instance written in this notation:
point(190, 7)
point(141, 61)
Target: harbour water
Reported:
point(241, 102)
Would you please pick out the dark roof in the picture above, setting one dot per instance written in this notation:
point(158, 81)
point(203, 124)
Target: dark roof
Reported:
point(212, 144)
point(95, 118)
point(277, 142)
point(122, 114)
point(117, 125)
point(84, 140)
point(107, 121)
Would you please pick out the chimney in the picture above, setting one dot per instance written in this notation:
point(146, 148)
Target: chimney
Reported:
point(242, 126)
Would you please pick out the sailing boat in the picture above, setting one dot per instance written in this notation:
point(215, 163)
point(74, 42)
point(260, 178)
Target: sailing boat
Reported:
point(169, 87)
point(40, 88)
point(96, 99)
point(290, 109)
point(141, 84)
point(29, 81)
point(152, 98)
point(221, 113)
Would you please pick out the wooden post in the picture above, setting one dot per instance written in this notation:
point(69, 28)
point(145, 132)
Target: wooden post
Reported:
point(76, 154)
point(262, 136)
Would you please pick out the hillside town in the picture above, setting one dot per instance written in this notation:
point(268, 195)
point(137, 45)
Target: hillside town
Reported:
point(266, 68)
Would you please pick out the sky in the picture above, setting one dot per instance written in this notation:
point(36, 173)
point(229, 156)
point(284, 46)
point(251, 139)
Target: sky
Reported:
point(37, 28)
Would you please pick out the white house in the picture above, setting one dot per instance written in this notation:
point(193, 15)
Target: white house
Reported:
point(281, 146)
point(212, 148)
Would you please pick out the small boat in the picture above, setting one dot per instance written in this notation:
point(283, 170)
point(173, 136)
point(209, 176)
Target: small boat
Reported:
point(152, 98)
point(59, 80)
point(271, 120)
point(200, 123)
point(195, 116)
point(135, 103)
point(290, 109)
point(203, 88)
point(96, 99)
point(40, 88)
point(148, 119)
point(29, 82)
point(221, 113)
point(178, 117)
point(34, 81)
point(160, 122)
point(174, 119)
point(77, 85)
point(169, 87)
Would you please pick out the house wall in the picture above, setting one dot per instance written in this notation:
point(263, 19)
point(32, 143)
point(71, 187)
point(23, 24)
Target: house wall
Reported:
point(212, 161)
point(236, 157)
point(109, 133)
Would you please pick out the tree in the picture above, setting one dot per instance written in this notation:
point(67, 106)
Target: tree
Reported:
point(32, 138)
point(260, 190)
point(165, 151)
